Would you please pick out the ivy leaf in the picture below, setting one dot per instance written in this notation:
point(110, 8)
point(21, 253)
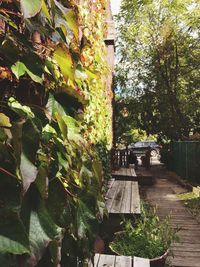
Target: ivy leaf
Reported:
point(6, 260)
point(59, 203)
point(62, 125)
point(72, 22)
point(64, 60)
point(70, 17)
point(13, 238)
point(30, 8)
point(97, 170)
point(21, 110)
point(31, 138)
point(42, 182)
point(19, 69)
point(4, 120)
point(40, 226)
point(28, 172)
point(45, 10)
point(84, 218)
point(73, 127)
point(53, 106)
point(3, 135)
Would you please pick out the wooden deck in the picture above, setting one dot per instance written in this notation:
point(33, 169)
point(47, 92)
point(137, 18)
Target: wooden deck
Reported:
point(123, 198)
point(103, 260)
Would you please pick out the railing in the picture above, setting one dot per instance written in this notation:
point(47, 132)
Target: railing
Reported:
point(119, 158)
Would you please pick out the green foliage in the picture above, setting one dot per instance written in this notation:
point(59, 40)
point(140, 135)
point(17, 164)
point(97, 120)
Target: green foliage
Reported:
point(127, 122)
point(149, 238)
point(53, 112)
point(158, 69)
point(192, 202)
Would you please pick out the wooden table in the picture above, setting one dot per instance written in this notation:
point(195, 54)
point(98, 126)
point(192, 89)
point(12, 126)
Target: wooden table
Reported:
point(123, 198)
point(102, 260)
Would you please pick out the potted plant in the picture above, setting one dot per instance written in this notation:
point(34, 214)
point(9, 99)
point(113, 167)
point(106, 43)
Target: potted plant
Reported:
point(148, 238)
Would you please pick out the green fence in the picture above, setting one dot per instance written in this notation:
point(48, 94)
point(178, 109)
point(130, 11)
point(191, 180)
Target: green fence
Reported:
point(186, 160)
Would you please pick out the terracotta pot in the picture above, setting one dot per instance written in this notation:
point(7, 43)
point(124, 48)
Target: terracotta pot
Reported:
point(159, 261)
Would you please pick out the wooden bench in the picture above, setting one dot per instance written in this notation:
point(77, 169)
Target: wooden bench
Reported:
point(123, 198)
point(103, 260)
point(124, 174)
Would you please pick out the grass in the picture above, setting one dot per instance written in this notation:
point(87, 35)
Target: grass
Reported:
point(191, 201)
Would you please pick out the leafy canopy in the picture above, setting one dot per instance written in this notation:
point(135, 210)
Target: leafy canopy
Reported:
point(158, 51)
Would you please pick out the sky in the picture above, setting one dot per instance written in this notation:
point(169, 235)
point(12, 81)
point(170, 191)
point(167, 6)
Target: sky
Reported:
point(115, 4)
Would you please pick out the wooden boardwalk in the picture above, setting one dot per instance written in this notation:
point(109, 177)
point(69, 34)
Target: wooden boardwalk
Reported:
point(163, 195)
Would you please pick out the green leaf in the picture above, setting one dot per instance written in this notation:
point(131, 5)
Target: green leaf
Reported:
point(53, 106)
point(73, 127)
point(42, 182)
point(45, 10)
point(30, 8)
point(13, 238)
point(6, 260)
point(84, 218)
point(28, 172)
point(64, 60)
point(59, 203)
point(62, 125)
point(70, 17)
point(21, 110)
point(16, 131)
point(31, 138)
point(4, 120)
point(19, 69)
point(63, 161)
point(10, 188)
point(3, 135)
point(41, 228)
point(85, 173)
point(72, 22)
point(98, 171)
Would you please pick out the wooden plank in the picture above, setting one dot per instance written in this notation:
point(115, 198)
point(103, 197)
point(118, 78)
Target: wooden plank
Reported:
point(106, 261)
point(135, 198)
point(140, 262)
point(118, 199)
point(96, 259)
point(123, 198)
point(125, 207)
point(123, 261)
point(133, 173)
point(111, 196)
point(125, 172)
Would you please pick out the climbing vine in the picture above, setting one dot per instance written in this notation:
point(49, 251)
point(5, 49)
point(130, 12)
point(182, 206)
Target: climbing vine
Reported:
point(55, 110)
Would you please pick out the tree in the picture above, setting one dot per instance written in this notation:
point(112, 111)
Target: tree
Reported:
point(158, 68)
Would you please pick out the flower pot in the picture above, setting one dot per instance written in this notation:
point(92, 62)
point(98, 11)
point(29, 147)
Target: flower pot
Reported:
point(155, 262)
point(159, 261)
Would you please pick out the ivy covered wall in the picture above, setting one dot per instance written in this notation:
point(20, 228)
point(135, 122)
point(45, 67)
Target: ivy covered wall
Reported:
point(55, 125)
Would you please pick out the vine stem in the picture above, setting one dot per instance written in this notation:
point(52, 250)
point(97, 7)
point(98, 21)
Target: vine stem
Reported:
point(7, 172)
